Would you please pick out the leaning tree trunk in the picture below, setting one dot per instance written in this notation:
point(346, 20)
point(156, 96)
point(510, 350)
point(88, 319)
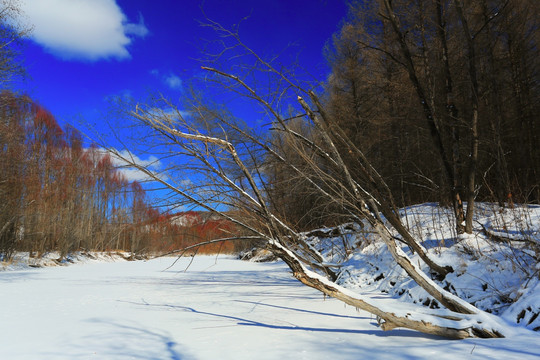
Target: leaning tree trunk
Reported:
point(228, 178)
point(466, 322)
point(450, 329)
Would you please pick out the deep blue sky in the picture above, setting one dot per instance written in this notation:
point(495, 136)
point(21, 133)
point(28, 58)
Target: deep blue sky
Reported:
point(75, 84)
point(82, 53)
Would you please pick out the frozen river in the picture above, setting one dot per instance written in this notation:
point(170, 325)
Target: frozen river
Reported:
point(227, 309)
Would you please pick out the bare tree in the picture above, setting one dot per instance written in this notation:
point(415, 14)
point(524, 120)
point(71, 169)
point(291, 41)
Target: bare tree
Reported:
point(11, 35)
point(228, 167)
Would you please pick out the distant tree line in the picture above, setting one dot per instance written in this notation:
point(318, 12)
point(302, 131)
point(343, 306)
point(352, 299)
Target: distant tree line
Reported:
point(58, 195)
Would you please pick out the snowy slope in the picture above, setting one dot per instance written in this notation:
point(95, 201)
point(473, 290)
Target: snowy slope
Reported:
point(495, 275)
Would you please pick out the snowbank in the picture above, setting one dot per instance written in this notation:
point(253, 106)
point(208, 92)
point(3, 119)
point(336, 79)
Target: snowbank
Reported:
point(498, 275)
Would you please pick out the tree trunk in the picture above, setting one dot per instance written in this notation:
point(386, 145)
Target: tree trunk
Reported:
point(473, 156)
point(451, 177)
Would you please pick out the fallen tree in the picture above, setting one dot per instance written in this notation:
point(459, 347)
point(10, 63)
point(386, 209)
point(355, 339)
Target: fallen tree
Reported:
point(229, 163)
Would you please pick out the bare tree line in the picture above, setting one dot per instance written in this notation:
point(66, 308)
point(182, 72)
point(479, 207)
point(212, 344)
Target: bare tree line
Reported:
point(58, 195)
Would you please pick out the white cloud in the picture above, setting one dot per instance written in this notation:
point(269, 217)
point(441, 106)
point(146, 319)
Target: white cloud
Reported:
point(138, 29)
point(152, 163)
point(172, 80)
point(82, 29)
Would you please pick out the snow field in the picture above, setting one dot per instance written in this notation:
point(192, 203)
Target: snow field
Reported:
point(227, 309)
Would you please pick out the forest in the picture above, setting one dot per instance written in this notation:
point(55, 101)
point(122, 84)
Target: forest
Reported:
point(442, 99)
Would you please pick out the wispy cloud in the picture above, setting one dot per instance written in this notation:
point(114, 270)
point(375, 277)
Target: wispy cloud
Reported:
point(174, 82)
point(125, 96)
point(152, 163)
point(139, 29)
point(169, 113)
point(170, 79)
point(82, 29)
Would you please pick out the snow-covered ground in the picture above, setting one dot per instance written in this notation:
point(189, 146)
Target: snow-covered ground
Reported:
point(228, 309)
point(496, 268)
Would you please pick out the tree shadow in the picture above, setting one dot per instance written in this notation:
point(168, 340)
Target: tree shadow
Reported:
point(9, 276)
point(130, 342)
point(247, 322)
point(233, 277)
point(303, 310)
point(239, 282)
